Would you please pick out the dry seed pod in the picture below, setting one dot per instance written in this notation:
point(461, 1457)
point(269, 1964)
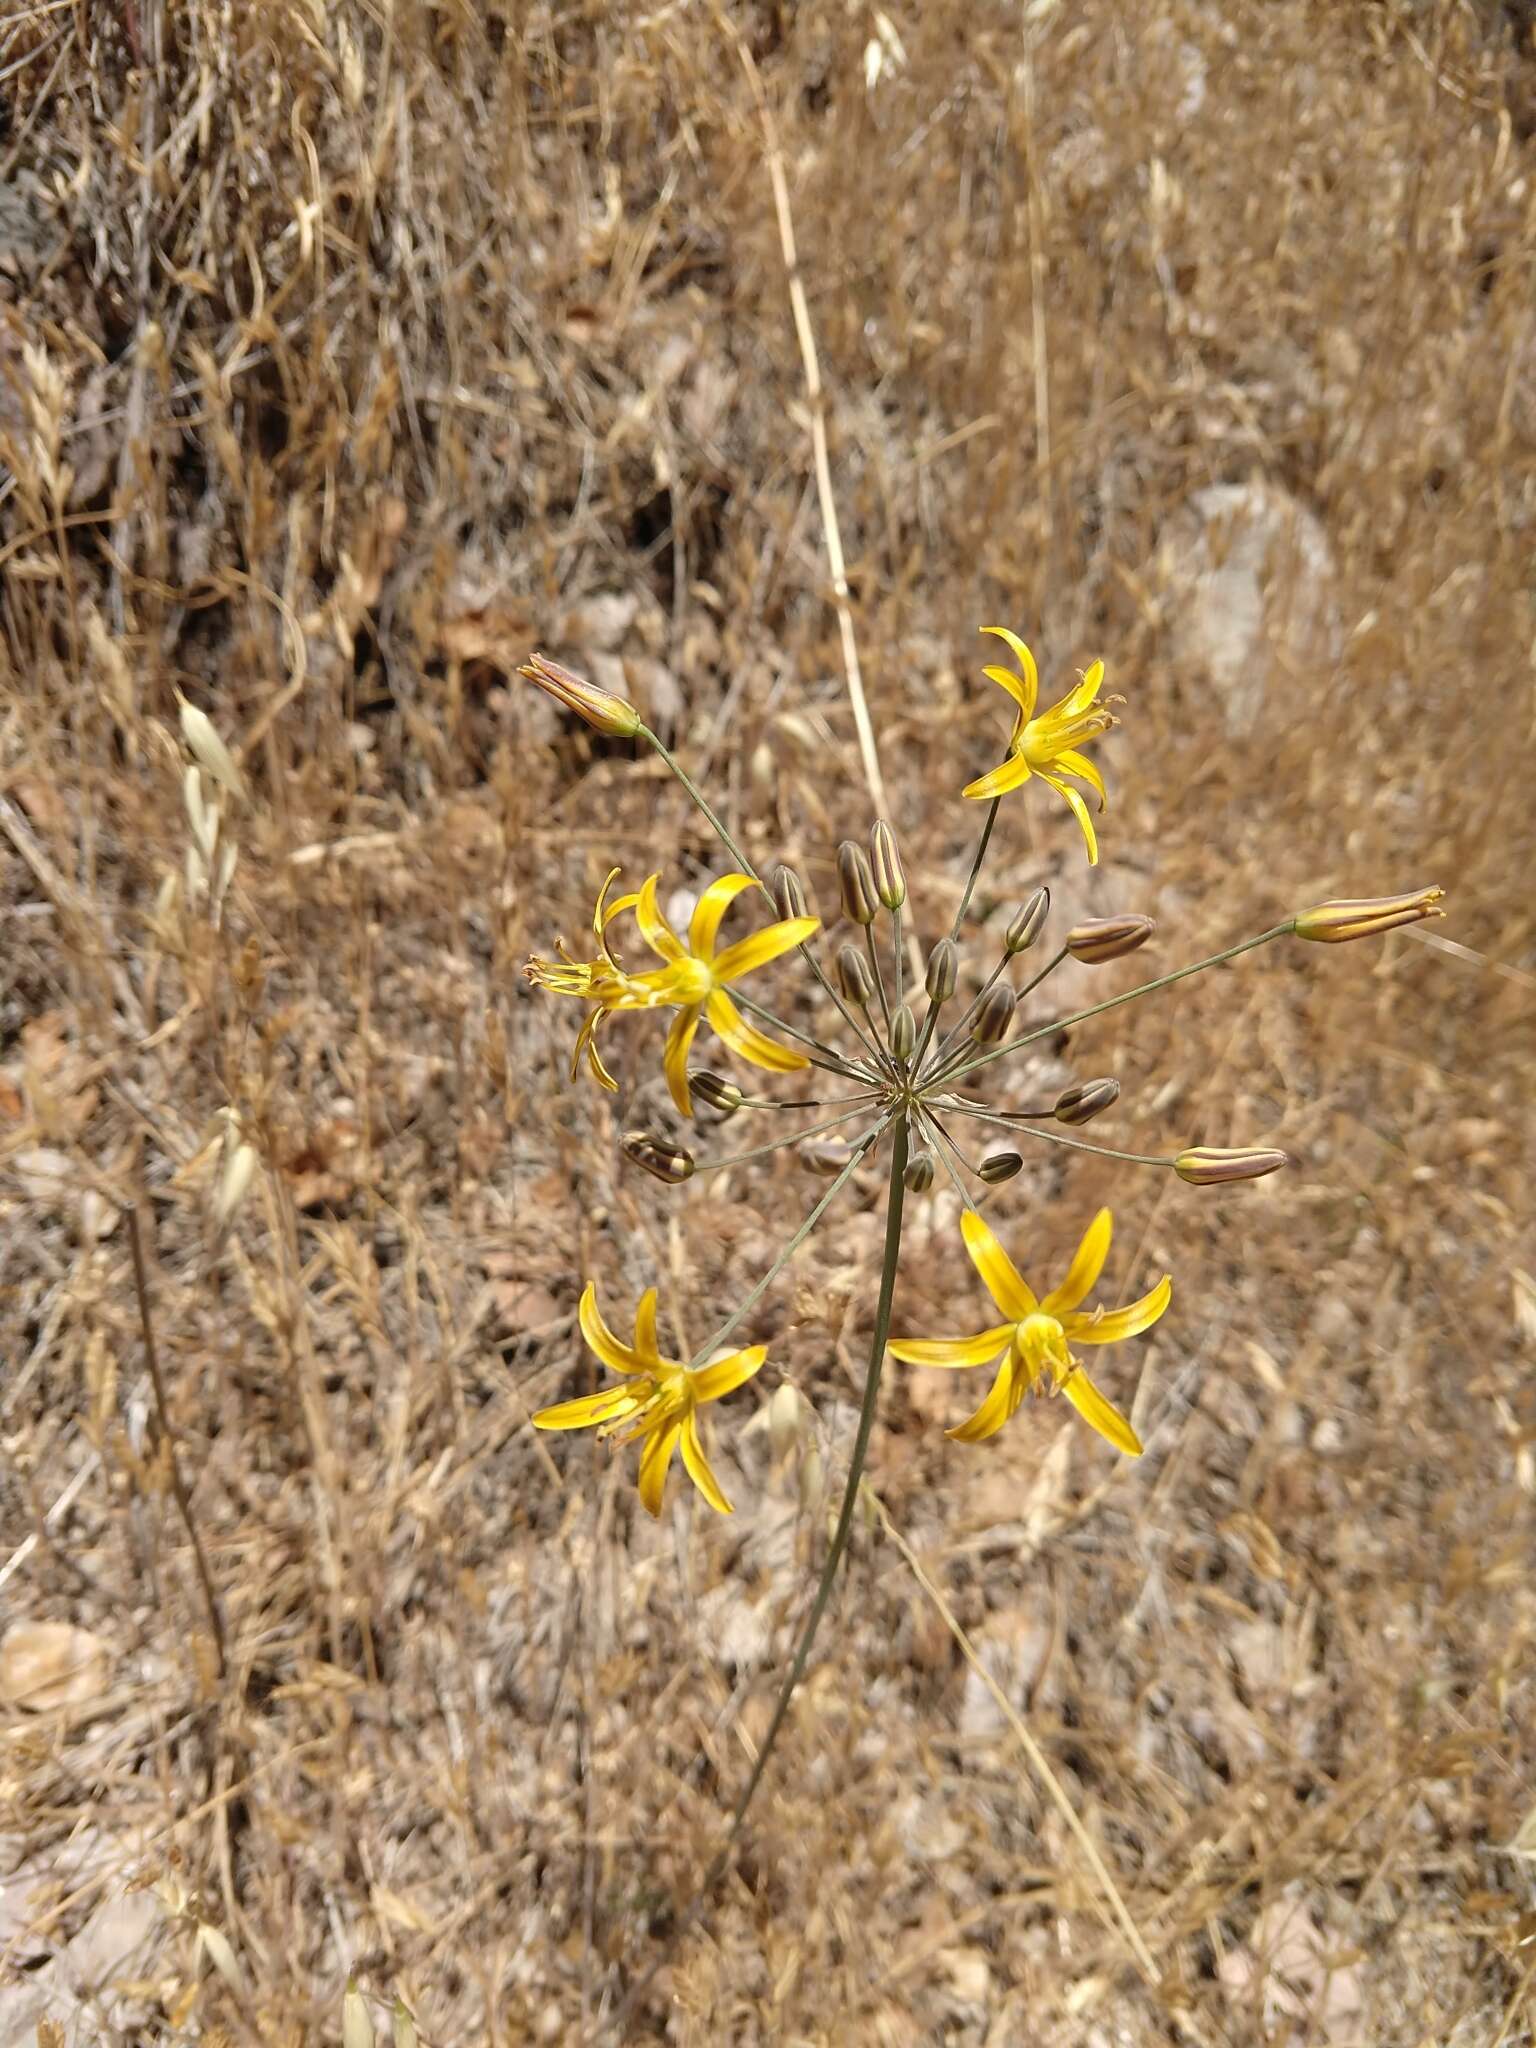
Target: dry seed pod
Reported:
point(788, 893)
point(1209, 1166)
point(918, 1177)
point(717, 1091)
point(998, 1167)
point(1088, 1099)
point(903, 1032)
point(669, 1163)
point(853, 977)
point(1027, 926)
point(1362, 917)
point(599, 707)
point(857, 884)
point(885, 860)
point(786, 1419)
point(994, 1016)
point(356, 2020)
point(1106, 938)
point(826, 1155)
point(943, 971)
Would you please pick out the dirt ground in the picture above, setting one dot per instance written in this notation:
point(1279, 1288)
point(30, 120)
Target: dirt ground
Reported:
point(348, 353)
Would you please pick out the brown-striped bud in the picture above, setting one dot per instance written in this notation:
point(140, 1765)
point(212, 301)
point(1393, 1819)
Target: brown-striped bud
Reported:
point(1000, 1166)
point(994, 1015)
point(1086, 1100)
point(666, 1162)
point(1027, 926)
point(903, 1032)
point(1362, 917)
point(1107, 938)
point(943, 971)
point(1209, 1166)
point(788, 893)
point(598, 707)
point(717, 1091)
point(860, 903)
point(918, 1177)
point(853, 976)
point(885, 859)
point(826, 1155)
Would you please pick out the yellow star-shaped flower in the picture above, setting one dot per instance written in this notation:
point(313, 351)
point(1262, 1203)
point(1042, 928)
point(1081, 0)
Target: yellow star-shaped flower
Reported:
point(659, 1396)
point(1036, 1339)
point(1047, 746)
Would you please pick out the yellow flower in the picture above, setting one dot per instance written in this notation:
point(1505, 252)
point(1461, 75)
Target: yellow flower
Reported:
point(659, 1397)
point(601, 982)
point(1047, 746)
point(1037, 1334)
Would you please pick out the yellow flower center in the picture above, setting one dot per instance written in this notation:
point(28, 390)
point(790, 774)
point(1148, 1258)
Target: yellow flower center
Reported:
point(1042, 1344)
point(691, 980)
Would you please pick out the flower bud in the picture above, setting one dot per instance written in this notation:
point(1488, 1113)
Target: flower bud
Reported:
point(666, 1162)
point(918, 1177)
point(853, 976)
point(1000, 1166)
point(1027, 926)
point(788, 893)
point(943, 971)
point(826, 1155)
point(994, 1015)
point(885, 859)
point(1107, 938)
point(1082, 1103)
point(1361, 917)
point(597, 706)
point(903, 1032)
point(1208, 1166)
point(717, 1091)
point(857, 884)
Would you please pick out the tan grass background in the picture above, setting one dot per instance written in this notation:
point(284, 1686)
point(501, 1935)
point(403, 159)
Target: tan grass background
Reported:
point(346, 353)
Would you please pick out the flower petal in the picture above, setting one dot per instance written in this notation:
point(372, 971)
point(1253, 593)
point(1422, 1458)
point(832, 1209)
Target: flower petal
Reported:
point(698, 1467)
point(1079, 811)
point(611, 1405)
point(1023, 690)
point(747, 1040)
point(710, 1382)
point(1001, 1402)
point(1087, 1264)
point(645, 1329)
point(704, 925)
point(654, 929)
point(616, 1356)
point(1070, 762)
point(952, 1351)
point(1010, 774)
point(1101, 1414)
point(763, 946)
point(1082, 694)
point(660, 1443)
point(1110, 1325)
point(1002, 1278)
point(674, 1058)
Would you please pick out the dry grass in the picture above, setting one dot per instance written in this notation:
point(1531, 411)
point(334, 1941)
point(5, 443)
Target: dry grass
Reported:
point(345, 353)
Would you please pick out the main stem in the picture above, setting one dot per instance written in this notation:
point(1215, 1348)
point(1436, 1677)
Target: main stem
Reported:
point(893, 1207)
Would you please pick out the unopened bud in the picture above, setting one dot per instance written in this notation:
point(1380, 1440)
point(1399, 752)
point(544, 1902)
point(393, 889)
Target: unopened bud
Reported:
point(786, 1417)
point(666, 1162)
point(356, 2020)
point(599, 707)
point(1362, 917)
point(885, 859)
point(918, 1177)
point(857, 884)
point(1106, 938)
point(1027, 926)
point(1082, 1103)
point(999, 1166)
point(826, 1155)
point(943, 971)
point(788, 893)
point(1208, 1166)
point(994, 1015)
point(903, 1032)
point(853, 976)
point(717, 1091)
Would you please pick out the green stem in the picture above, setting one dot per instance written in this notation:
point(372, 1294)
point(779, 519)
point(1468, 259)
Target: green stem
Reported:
point(1017, 1124)
point(818, 1054)
point(839, 1543)
point(942, 1068)
point(896, 949)
point(1114, 1002)
point(778, 1144)
point(738, 1314)
point(874, 961)
point(981, 854)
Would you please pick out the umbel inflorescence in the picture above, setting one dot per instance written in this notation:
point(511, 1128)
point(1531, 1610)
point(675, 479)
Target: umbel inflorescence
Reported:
point(908, 1069)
